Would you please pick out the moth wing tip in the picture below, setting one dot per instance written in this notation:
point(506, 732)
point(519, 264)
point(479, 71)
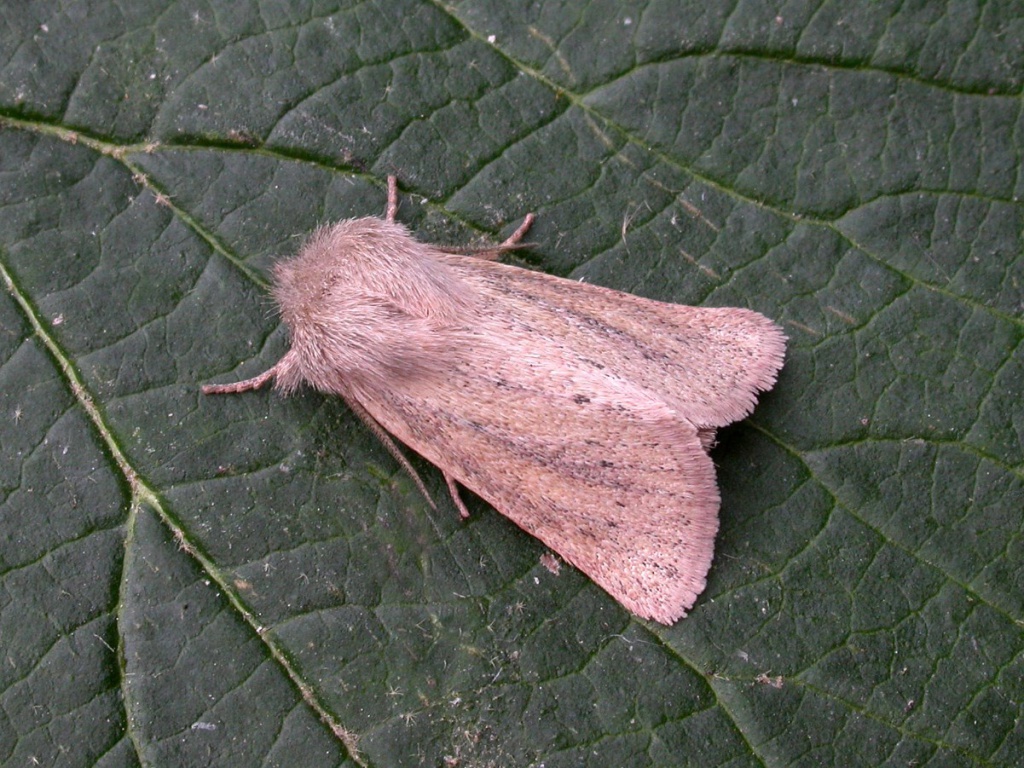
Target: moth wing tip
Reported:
point(666, 612)
point(666, 602)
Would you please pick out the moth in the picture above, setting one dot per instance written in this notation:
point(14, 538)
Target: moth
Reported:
point(583, 414)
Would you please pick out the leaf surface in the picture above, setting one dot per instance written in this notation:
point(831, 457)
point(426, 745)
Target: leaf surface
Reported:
point(249, 580)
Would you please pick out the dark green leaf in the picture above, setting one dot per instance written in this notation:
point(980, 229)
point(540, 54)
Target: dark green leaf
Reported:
point(252, 580)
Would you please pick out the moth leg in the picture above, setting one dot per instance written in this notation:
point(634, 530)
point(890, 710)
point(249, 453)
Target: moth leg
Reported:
point(382, 435)
point(453, 489)
point(512, 241)
point(281, 368)
point(392, 210)
point(520, 233)
point(240, 386)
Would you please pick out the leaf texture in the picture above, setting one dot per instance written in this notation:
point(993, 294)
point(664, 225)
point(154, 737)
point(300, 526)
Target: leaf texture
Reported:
point(255, 581)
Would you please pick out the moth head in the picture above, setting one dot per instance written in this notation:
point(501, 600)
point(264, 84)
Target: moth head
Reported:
point(365, 302)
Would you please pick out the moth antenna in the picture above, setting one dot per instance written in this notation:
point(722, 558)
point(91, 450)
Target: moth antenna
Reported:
point(392, 210)
point(453, 490)
point(393, 449)
point(241, 386)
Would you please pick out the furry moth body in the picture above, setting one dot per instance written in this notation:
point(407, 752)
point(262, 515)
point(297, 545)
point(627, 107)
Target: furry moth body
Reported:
point(581, 413)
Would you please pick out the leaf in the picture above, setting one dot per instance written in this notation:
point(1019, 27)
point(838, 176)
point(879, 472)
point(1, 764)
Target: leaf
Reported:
point(253, 580)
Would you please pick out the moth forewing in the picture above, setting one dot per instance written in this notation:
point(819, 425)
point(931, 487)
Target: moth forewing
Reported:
point(602, 471)
point(581, 413)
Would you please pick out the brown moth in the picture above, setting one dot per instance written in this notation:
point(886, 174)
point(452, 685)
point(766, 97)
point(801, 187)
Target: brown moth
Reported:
point(582, 413)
